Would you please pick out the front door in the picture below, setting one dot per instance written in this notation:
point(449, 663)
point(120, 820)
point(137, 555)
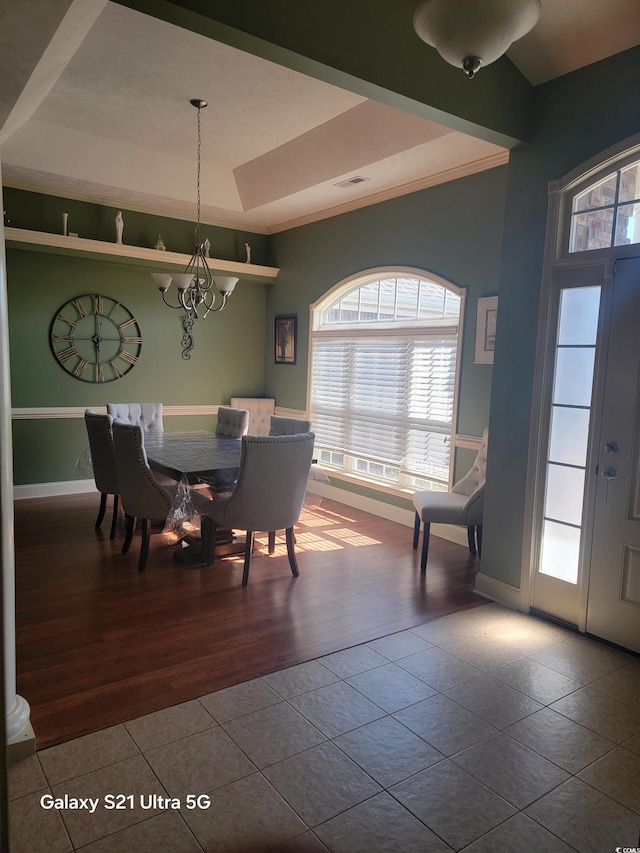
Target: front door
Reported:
point(613, 602)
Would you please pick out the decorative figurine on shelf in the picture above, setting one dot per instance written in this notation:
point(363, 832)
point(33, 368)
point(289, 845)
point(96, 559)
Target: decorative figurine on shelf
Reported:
point(248, 250)
point(206, 247)
point(65, 224)
point(160, 246)
point(119, 227)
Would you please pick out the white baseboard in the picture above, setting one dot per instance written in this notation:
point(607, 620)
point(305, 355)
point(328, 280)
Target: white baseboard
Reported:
point(450, 532)
point(503, 593)
point(51, 490)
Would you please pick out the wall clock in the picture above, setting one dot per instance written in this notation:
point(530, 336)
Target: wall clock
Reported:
point(95, 338)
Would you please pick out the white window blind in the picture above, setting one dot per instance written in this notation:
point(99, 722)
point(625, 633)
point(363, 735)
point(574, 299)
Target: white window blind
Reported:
point(386, 399)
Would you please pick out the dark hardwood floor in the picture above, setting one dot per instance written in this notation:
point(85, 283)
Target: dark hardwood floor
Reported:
point(99, 643)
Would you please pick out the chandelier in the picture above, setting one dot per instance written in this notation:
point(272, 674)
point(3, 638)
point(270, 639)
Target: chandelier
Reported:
point(198, 289)
point(471, 33)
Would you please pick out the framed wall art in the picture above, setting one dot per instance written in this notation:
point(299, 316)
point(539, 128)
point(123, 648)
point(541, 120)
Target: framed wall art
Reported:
point(286, 327)
point(486, 329)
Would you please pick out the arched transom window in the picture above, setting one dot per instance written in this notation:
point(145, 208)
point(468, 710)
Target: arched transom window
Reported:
point(383, 377)
point(607, 213)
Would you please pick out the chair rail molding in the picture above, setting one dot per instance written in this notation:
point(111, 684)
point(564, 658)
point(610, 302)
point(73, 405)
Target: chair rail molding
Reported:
point(53, 412)
point(34, 413)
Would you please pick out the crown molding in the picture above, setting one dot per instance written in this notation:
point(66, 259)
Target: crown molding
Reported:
point(463, 171)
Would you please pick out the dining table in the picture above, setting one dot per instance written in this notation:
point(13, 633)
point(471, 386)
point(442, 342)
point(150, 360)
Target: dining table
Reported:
point(195, 458)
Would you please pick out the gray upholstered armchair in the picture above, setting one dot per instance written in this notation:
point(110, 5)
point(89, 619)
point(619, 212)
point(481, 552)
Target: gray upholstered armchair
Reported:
point(288, 426)
point(272, 482)
point(285, 426)
point(103, 461)
point(141, 495)
point(232, 423)
point(147, 415)
point(464, 504)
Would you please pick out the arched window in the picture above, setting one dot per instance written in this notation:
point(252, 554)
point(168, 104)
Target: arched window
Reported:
point(383, 377)
point(607, 213)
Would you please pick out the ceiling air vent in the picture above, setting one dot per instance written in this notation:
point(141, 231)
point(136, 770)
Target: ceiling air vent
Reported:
point(350, 182)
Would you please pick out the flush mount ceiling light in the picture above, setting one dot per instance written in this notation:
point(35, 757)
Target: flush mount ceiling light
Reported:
point(471, 33)
point(197, 287)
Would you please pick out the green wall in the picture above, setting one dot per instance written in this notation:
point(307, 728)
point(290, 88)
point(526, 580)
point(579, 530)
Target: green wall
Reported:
point(453, 230)
point(42, 212)
point(228, 357)
point(429, 230)
point(577, 117)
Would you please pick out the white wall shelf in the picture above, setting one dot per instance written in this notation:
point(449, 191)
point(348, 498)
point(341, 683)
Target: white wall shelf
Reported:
point(42, 241)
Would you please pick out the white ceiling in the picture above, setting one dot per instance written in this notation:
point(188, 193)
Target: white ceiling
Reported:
point(105, 115)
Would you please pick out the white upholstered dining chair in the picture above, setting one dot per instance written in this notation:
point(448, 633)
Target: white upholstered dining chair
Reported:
point(103, 461)
point(463, 505)
point(272, 482)
point(260, 410)
point(232, 423)
point(147, 415)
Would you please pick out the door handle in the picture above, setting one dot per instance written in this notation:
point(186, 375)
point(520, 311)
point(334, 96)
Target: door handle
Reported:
point(610, 474)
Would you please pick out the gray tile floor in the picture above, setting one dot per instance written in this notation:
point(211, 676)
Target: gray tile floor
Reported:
point(487, 731)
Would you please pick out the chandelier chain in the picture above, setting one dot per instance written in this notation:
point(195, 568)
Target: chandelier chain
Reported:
point(198, 180)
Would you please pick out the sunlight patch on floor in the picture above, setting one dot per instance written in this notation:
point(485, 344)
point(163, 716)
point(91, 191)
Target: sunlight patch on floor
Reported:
point(352, 537)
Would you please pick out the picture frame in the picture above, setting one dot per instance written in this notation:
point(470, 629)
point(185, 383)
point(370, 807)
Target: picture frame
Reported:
point(486, 329)
point(285, 338)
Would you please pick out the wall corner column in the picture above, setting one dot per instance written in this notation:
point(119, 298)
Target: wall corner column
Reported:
point(19, 733)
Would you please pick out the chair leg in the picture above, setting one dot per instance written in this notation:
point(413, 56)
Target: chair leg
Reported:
point(425, 546)
point(247, 557)
point(114, 519)
point(144, 548)
point(479, 539)
point(471, 536)
point(129, 533)
point(416, 530)
point(291, 552)
point(272, 541)
point(102, 510)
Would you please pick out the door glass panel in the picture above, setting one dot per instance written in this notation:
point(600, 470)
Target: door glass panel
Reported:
point(574, 376)
point(569, 435)
point(564, 494)
point(579, 311)
point(560, 551)
point(628, 224)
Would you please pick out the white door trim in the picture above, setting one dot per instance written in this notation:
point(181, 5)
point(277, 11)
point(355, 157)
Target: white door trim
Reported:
point(555, 258)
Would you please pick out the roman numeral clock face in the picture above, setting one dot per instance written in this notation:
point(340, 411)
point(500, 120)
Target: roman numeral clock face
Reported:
point(95, 338)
